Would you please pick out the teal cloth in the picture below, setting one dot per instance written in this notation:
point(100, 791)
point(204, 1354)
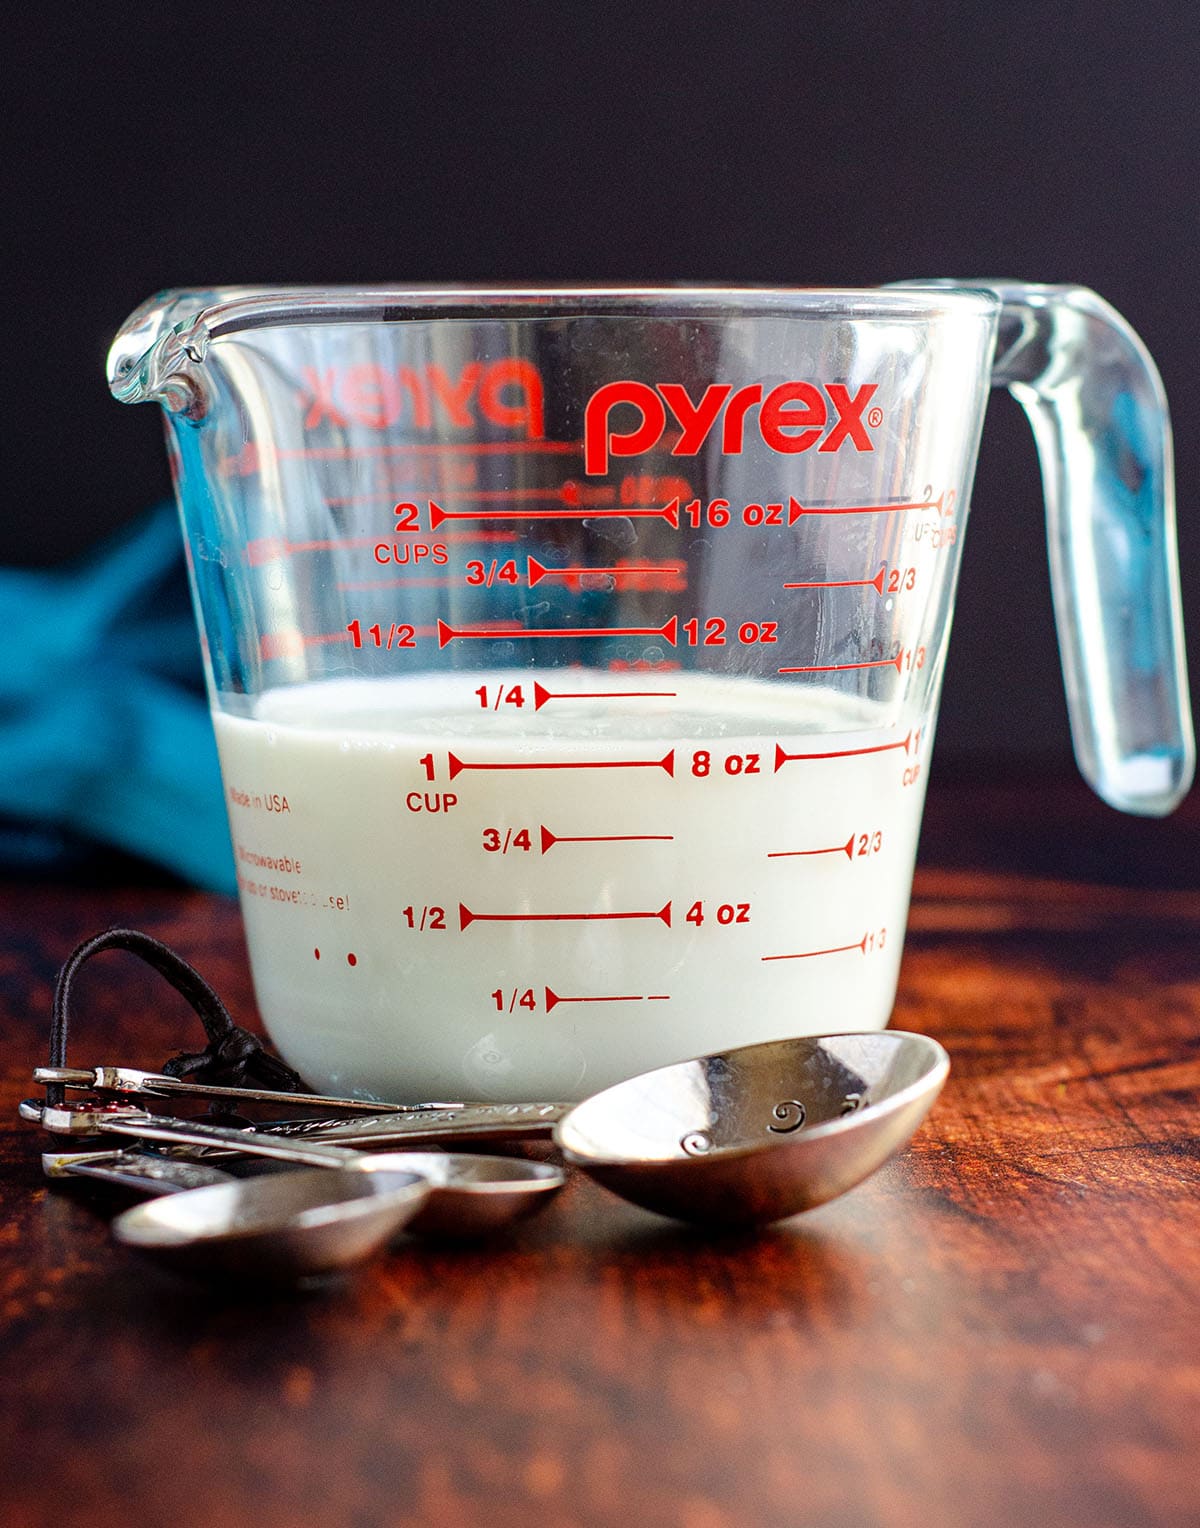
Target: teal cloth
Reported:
point(105, 736)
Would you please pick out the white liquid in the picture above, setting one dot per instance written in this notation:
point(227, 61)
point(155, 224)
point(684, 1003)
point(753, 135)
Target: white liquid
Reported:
point(340, 851)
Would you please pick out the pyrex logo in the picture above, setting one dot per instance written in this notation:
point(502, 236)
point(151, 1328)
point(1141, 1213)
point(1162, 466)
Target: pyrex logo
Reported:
point(792, 417)
point(507, 392)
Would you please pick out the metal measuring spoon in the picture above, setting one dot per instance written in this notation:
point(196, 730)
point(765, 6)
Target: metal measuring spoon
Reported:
point(468, 1196)
point(282, 1228)
point(741, 1137)
point(126, 1080)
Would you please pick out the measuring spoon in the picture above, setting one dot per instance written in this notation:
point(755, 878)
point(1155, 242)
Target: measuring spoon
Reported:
point(469, 1195)
point(130, 1080)
point(285, 1227)
point(740, 1137)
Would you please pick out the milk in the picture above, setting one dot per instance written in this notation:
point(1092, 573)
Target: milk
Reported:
point(449, 890)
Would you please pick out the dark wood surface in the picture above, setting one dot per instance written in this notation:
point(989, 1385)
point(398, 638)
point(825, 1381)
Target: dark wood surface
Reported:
point(1001, 1327)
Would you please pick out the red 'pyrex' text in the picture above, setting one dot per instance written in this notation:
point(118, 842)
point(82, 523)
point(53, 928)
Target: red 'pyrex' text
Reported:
point(791, 418)
point(507, 393)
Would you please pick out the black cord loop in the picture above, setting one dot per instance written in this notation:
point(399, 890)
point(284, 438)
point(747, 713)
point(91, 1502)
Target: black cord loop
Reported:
point(233, 1056)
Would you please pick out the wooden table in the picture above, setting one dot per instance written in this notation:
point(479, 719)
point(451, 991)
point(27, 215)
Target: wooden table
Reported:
point(1002, 1327)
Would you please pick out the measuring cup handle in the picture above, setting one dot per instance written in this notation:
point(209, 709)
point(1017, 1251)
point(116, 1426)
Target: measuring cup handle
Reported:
point(1099, 416)
point(1095, 402)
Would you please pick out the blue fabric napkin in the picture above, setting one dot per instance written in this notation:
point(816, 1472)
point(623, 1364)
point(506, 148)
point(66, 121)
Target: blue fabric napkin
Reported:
point(104, 729)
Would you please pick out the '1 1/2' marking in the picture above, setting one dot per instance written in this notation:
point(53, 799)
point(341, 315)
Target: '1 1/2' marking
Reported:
point(396, 635)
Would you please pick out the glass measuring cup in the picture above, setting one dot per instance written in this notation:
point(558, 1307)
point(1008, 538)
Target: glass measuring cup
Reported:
point(574, 656)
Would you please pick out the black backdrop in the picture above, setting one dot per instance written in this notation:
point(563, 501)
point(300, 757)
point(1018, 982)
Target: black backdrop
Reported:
point(838, 144)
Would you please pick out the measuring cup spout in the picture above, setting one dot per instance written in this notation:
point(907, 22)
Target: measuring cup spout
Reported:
point(155, 358)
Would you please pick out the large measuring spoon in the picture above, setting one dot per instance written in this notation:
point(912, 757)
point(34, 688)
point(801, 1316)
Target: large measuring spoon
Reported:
point(741, 1137)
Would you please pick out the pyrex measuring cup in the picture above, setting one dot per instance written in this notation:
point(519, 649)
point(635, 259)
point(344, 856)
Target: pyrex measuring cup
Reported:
point(574, 656)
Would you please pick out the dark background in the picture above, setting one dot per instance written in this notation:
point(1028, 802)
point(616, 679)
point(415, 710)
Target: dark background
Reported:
point(787, 143)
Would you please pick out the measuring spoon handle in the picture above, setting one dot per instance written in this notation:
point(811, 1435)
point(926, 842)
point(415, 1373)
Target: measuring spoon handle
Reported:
point(130, 1080)
point(333, 1146)
point(141, 1171)
point(476, 1122)
point(150, 1127)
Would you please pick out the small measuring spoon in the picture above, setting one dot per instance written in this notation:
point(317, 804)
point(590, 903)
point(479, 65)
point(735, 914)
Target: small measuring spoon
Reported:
point(282, 1228)
point(741, 1137)
point(469, 1195)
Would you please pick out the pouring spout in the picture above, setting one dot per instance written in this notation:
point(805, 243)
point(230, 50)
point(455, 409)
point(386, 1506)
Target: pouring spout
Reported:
point(157, 352)
point(150, 346)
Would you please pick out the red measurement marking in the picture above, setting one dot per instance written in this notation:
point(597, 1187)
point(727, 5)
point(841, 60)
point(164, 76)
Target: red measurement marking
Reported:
point(837, 949)
point(875, 583)
point(467, 917)
point(490, 537)
point(437, 448)
point(667, 762)
point(796, 509)
point(246, 461)
point(507, 628)
point(568, 492)
point(847, 849)
point(643, 665)
point(550, 839)
point(289, 644)
point(442, 582)
point(537, 571)
point(446, 633)
point(269, 548)
point(541, 695)
point(668, 512)
point(842, 668)
point(553, 999)
point(782, 758)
